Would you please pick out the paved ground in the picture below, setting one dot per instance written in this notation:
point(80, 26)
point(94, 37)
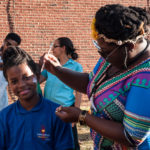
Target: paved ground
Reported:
point(84, 138)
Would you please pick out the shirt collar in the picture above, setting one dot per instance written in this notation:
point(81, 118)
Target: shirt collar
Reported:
point(21, 110)
point(70, 61)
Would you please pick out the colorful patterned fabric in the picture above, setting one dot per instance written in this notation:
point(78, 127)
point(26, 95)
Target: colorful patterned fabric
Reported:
point(124, 98)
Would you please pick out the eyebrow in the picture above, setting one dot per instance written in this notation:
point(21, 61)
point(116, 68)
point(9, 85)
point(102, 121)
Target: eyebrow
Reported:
point(22, 75)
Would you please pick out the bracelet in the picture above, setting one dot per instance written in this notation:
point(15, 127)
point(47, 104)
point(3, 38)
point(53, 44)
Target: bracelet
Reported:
point(82, 117)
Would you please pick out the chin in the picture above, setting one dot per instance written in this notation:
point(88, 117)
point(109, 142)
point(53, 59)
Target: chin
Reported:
point(26, 97)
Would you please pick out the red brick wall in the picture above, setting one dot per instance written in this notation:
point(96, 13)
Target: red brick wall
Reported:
point(39, 22)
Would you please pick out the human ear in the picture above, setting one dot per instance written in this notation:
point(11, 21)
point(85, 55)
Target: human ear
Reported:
point(64, 48)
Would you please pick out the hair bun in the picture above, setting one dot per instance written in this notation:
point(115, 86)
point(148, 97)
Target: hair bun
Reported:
point(74, 55)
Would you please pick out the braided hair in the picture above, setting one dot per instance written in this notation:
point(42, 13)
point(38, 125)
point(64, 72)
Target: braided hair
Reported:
point(121, 23)
point(70, 50)
point(15, 56)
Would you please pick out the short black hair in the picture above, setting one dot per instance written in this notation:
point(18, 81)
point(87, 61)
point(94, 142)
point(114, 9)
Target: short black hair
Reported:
point(119, 22)
point(14, 37)
point(15, 56)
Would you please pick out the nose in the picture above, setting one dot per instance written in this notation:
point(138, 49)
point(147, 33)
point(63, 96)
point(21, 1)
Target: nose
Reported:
point(21, 83)
point(53, 48)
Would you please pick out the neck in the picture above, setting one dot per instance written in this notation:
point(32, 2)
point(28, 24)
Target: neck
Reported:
point(63, 59)
point(30, 103)
point(138, 54)
point(139, 50)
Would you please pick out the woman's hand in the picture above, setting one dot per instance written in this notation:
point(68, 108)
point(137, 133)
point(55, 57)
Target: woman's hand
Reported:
point(52, 59)
point(68, 114)
point(50, 62)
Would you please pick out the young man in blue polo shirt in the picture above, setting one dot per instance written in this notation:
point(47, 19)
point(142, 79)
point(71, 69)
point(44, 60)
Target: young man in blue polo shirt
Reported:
point(30, 123)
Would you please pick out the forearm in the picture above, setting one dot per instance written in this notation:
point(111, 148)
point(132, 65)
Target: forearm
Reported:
point(76, 80)
point(107, 128)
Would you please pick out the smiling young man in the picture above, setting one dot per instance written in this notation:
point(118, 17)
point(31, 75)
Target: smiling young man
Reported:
point(29, 123)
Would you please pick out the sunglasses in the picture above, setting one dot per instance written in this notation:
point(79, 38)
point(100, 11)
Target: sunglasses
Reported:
point(96, 45)
point(55, 46)
point(102, 53)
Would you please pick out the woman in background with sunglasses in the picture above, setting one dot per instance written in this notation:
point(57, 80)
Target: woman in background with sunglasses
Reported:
point(55, 90)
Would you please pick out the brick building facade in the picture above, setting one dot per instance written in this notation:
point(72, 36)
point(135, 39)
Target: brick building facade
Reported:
point(39, 22)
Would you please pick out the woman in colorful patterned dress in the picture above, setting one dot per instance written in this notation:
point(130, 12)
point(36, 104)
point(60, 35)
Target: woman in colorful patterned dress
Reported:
point(119, 85)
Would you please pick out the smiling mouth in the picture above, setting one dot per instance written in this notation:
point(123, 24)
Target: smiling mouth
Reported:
point(24, 92)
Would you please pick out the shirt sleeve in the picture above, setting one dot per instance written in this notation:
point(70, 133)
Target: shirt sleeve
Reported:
point(92, 73)
point(44, 73)
point(79, 68)
point(63, 135)
point(137, 114)
point(2, 136)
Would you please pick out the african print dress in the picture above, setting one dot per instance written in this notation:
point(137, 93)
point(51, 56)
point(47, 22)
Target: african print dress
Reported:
point(124, 98)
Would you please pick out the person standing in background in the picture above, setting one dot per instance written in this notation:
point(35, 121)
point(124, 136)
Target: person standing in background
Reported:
point(55, 90)
point(12, 39)
point(3, 87)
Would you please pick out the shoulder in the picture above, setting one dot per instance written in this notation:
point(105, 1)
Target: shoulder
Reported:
point(74, 65)
point(78, 64)
point(50, 105)
point(49, 108)
point(9, 110)
point(75, 62)
point(141, 74)
point(98, 65)
point(9, 107)
point(142, 79)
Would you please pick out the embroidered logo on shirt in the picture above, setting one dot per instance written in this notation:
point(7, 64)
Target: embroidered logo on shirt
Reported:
point(43, 135)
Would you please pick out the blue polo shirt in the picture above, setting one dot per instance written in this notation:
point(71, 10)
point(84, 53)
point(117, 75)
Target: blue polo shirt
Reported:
point(37, 129)
point(58, 92)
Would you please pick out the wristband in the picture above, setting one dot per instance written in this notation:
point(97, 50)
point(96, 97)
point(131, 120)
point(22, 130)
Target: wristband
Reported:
point(82, 117)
